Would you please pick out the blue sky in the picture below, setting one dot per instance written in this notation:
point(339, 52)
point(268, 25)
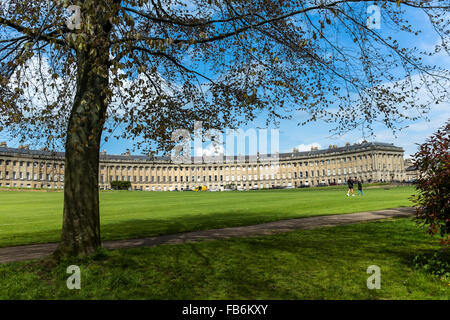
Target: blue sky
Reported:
point(318, 133)
point(415, 132)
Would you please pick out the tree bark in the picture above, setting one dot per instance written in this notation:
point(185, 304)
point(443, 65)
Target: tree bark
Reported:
point(81, 220)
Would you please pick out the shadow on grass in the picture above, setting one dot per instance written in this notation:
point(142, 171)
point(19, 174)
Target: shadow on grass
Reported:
point(323, 263)
point(141, 228)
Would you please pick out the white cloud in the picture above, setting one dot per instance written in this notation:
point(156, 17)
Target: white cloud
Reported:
point(40, 89)
point(211, 150)
point(307, 147)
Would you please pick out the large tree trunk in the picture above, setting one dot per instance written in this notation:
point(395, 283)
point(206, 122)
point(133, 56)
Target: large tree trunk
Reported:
point(81, 220)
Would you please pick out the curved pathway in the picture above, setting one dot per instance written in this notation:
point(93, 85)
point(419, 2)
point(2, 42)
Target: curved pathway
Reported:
point(20, 253)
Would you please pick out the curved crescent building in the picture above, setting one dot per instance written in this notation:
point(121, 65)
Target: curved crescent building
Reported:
point(369, 161)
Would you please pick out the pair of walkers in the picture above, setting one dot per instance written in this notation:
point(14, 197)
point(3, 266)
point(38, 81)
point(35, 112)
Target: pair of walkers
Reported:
point(350, 183)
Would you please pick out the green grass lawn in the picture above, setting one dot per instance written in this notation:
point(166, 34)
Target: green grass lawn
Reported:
point(325, 263)
point(36, 217)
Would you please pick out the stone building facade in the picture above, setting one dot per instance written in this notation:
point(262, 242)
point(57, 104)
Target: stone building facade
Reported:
point(411, 171)
point(371, 162)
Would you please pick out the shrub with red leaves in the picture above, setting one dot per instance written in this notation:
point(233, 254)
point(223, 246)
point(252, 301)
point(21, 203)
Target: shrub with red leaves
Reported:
point(432, 201)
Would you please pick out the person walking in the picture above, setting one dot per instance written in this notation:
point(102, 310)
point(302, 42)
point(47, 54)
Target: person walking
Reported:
point(360, 190)
point(350, 187)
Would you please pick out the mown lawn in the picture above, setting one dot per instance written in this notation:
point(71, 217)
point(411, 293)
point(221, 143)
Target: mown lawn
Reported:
point(325, 263)
point(36, 217)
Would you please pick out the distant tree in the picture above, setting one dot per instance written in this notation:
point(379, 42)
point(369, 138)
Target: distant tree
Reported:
point(120, 185)
point(230, 186)
point(433, 185)
point(149, 67)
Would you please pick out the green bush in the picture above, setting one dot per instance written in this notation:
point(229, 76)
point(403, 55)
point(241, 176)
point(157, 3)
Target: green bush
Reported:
point(432, 200)
point(230, 186)
point(437, 264)
point(120, 185)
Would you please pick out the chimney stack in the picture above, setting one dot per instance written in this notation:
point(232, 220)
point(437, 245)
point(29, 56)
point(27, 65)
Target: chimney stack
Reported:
point(3, 145)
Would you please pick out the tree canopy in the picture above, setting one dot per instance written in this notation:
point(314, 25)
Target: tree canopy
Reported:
point(170, 62)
